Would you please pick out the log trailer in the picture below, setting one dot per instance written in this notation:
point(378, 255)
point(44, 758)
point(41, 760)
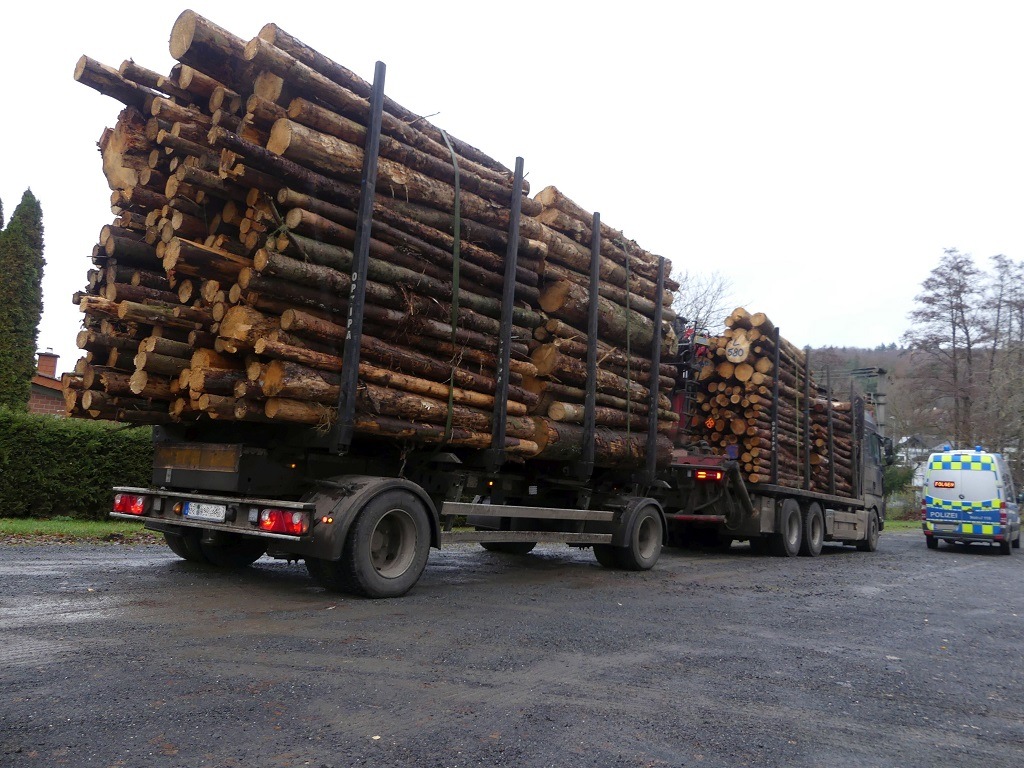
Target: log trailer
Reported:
point(363, 512)
point(364, 518)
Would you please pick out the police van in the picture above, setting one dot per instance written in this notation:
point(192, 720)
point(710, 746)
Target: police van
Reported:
point(968, 496)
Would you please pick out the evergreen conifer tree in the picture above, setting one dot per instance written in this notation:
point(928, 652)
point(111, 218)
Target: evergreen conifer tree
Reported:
point(21, 300)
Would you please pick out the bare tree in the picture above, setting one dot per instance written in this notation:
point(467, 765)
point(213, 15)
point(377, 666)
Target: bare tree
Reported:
point(703, 299)
point(947, 324)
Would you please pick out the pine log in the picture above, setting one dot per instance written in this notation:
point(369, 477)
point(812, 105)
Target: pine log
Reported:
point(609, 356)
point(326, 153)
point(349, 80)
point(476, 263)
point(109, 82)
point(551, 198)
point(605, 417)
point(210, 49)
point(389, 274)
point(564, 442)
point(349, 105)
point(549, 361)
point(556, 272)
point(215, 381)
point(569, 302)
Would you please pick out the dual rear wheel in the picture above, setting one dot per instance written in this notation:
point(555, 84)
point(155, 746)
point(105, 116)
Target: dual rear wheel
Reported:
point(230, 550)
point(802, 532)
point(643, 543)
point(385, 551)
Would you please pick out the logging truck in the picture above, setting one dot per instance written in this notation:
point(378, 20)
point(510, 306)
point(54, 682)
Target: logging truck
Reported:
point(364, 520)
point(348, 378)
point(796, 467)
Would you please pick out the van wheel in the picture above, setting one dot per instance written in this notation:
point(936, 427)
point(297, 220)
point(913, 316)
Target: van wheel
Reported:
point(931, 542)
point(1004, 548)
point(870, 544)
point(1016, 542)
point(788, 536)
point(814, 531)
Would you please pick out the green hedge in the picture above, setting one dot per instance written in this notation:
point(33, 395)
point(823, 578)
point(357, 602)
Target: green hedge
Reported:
point(54, 466)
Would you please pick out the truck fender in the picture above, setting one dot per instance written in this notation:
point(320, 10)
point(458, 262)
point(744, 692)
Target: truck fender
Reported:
point(340, 499)
point(633, 506)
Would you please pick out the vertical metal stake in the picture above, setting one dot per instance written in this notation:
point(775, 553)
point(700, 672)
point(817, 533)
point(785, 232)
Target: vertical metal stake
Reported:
point(585, 466)
point(343, 426)
point(775, 411)
point(831, 438)
point(654, 387)
point(807, 420)
point(496, 456)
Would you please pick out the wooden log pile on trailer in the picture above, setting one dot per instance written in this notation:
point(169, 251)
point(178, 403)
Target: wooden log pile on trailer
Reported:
point(221, 289)
point(757, 402)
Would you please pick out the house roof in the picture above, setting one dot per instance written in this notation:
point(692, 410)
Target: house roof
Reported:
point(47, 382)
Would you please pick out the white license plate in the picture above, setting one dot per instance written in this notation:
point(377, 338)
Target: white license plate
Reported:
point(214, 513)
point(946, 527)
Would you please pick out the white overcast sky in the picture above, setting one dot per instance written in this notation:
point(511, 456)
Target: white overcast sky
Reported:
point(819, 155)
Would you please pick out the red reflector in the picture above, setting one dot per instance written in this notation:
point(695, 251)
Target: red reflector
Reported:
point(709, 474)
point(284, 521)
point(129, 504)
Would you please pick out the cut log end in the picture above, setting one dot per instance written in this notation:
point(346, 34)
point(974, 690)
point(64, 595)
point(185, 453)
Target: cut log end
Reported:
point(183, 33)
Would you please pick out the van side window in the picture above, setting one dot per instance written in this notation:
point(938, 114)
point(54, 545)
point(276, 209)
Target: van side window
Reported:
point(1010, 491)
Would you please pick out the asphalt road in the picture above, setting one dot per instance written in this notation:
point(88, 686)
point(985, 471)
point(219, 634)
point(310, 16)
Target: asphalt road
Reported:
point(126, 656)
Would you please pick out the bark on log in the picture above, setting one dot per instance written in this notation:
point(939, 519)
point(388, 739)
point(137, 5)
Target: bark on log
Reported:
point(570, 302)
point(349, 80)
point(109, 82)
point(564, 442)
point(326, 153)
point(606, 417)
point(210, 49)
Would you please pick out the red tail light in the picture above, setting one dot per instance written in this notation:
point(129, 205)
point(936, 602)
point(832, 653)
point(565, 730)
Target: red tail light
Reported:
point(924, 510)
point(129, 504)
point(1002, 513)
point(284, 521)
point(709, 475)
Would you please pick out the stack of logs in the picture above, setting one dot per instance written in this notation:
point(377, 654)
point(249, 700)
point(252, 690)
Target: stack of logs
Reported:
point(736, 391)
point(220, 291)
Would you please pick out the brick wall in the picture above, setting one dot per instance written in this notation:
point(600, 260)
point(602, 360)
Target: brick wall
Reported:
point(46, 402)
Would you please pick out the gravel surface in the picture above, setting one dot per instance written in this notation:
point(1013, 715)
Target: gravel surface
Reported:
point(116, 655)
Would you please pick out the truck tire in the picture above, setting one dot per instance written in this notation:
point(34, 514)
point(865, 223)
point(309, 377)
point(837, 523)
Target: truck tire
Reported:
point(608, 556)
point(185, 545)
point(238, 552)
point(931, 542)
point(1005, 548)
point(328, 574)
point(870, 544)
point(788, 536)
point(759, 545)
point(813, 530)
point(643, 546)
point(509, 547)
point(385, 551)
